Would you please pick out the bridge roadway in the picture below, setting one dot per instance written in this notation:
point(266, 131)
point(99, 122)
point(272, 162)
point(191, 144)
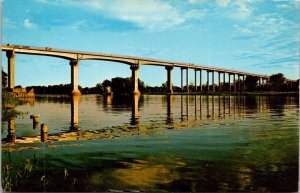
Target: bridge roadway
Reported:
point(135, 62)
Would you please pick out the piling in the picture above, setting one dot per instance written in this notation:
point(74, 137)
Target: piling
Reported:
point(44, 132)
point(36, 120)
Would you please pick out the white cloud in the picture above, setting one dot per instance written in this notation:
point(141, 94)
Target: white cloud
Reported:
point(42, 1)
point(77, 26)
point(238, 9)
point(282, 6)
point(153, 15)
point(274, 39)
point(223, 3)
point(29, 25)
point(150, 14)
point(244, 10)
point(288, 4)
point(195, 14)
point(7, 23)
point(196, 1)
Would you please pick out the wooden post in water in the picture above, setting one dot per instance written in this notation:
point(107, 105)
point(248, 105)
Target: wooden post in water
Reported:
point(44, 132)
point(35, 121)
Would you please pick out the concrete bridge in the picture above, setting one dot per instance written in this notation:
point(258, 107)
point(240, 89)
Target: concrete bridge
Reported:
point(135, 63)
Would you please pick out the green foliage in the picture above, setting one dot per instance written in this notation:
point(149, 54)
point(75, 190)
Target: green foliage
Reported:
point(14, 176)
point(9, 99)
point(4, 79)
point(121, 85)
point(277, 82)
point(251, 83)
point(106, 83)
point(53, 89)
point(8, 104)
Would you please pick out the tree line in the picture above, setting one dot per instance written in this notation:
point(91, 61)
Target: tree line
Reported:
point(123, 86)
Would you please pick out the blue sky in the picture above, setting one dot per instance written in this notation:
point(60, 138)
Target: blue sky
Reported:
point(258, 36)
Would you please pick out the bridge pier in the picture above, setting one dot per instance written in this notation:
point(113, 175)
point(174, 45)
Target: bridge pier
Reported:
point(11, 68)
point(135, 110)
point(74, 113)
point(181, 74)
point(244, 85)
point(213, 80)
point(223, 86)
point(234, 83)
point(195, 79)
point(74, 77)
point(169, 79)
point(207, 80)
point(135, 79)
point(219, 83)
point(200, 80)
point(170, 109)
point(187, 80)
point(229, 82)
point(239, 82)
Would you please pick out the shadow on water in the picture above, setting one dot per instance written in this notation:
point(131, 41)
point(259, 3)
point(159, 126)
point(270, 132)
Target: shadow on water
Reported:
point(166, 143)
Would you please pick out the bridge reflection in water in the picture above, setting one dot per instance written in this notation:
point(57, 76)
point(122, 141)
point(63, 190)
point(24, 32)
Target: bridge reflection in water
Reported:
point(193, 108)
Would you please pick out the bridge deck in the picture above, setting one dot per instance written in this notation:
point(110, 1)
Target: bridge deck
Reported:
point(73, 55)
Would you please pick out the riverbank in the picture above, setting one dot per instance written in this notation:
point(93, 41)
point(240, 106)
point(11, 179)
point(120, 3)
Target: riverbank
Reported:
point(9, 102)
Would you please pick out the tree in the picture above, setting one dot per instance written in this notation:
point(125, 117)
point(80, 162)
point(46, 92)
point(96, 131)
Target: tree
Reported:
point(277, 82)
point(251, 83)
point(4, 79)
point(121, 85)
point(106, 83)
point(124, 85)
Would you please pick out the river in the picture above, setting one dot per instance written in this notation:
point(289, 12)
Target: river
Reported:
point(187, 143)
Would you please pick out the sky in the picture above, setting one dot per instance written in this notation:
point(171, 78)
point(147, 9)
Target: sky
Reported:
point(257, 36)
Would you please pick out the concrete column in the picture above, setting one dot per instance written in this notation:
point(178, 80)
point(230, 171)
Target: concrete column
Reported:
point(200, 80)
point(244, 85)
point(213, 80)
point(11, 68)
point(207, 81)
point(135, 79)
point(223, 80)
point(169, 80)
point(195, 80)
point(74, 77)
point(234, 83)
point(229, 81)
point(169, 109)
point(219, 79)
point(259, 82)
point(135, 110)
point(75, 112)
point(181, 70)
point(239, 82)
point(187, 80)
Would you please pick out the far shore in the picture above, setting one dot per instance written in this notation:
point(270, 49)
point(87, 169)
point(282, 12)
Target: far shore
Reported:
point(261, 93)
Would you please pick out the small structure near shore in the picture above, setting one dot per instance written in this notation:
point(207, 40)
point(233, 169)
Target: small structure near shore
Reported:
point(22, 93)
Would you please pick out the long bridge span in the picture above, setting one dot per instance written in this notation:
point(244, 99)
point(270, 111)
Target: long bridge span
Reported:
point(135, 63)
